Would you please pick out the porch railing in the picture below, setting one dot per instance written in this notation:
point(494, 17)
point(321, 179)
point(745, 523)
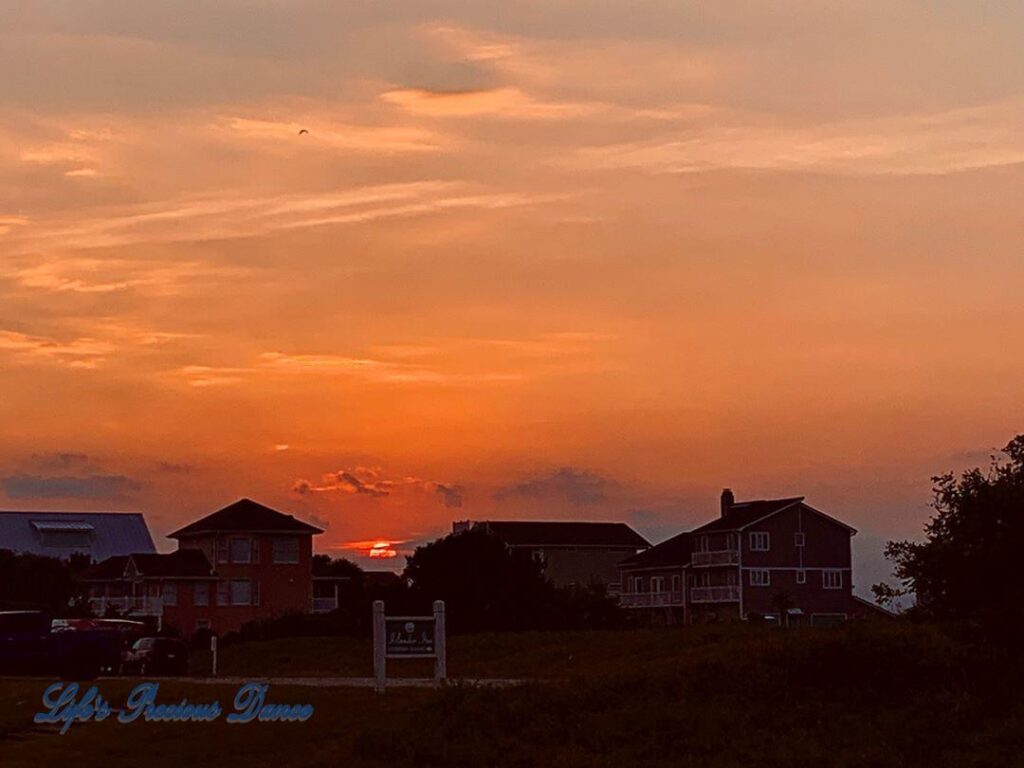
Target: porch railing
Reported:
point(650, 599)
point(725, 594)
point(718, 557)
point(128, 606)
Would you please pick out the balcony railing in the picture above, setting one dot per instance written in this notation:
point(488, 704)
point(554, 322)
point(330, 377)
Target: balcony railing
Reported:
point(650, 599)
point(726, 594)
point(324, 604)
point(718, 557)
point(127, 606)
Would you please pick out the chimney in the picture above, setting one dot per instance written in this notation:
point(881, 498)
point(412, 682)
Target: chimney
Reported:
point(727, 501)
point(458, 526)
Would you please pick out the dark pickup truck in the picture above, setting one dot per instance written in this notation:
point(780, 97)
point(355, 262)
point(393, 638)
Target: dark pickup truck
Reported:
point(29, 646)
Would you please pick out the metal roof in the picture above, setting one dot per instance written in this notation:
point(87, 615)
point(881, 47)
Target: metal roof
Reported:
point(109, 533)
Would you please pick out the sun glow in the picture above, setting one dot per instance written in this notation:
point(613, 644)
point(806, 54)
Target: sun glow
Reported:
point(382, 550)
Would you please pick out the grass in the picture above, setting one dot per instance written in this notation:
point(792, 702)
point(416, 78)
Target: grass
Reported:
point(885, 695)
point(528, 655)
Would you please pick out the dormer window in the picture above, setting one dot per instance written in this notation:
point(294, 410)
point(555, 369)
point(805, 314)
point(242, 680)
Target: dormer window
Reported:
point(64, 534)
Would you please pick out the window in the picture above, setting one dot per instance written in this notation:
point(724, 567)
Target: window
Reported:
point(286, 549)
point(202, 624)
point(241, 592)
point(760, 578)
point(638, 584)
point(222, 550)
point(201, 593)
point(223, 593)
point(657, 584)
point(798, 538)
point(759, 541)
point(677, 583)
point(241, 550)
point(170, 593)
point(832, 579)
point(701, 544)
point(63, 534)
point(801, 576)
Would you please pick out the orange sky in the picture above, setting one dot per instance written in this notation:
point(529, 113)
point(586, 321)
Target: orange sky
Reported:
point(589, 260)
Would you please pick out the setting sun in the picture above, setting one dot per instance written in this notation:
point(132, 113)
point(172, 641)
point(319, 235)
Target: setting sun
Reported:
point(382, 550)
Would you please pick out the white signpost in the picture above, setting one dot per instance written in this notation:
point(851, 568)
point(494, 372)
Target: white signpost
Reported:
point(408, 637)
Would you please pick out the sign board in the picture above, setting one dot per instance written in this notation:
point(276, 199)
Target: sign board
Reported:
point(408, 637)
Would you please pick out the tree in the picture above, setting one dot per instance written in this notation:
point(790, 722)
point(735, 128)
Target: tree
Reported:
point(324, 565)
point(967, 566)
point(36, 582)
point(485, 584)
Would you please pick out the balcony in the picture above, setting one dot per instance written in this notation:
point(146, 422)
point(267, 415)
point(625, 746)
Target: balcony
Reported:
point(725, 594)
point(127, 606)
point(650, 599)
point(718, 557)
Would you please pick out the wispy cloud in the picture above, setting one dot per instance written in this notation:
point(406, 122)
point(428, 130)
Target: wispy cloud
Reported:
point(73, 353)
point(506, 102)
point(231, 215)
point(946, 142)
point(321, 134)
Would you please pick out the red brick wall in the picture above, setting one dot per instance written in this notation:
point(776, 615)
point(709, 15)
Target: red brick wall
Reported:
point(283, 588)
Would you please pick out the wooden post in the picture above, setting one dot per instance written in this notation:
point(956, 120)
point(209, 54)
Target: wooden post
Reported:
point(440, 658)
point(213, 652)
point(379, 646)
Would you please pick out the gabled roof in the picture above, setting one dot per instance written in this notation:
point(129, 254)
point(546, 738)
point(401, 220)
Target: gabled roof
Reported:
point(744, 513)
point(565, 534)
point(108, 570)
point(249, 516)
point(671, 552)
point(107, 533)
point(184, 563)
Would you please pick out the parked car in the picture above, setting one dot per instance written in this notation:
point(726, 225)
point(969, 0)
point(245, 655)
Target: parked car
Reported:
point(30, 646)
point(120, 635)
point(156, 656)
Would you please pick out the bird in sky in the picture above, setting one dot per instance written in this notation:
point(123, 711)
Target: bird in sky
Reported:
point(302, 131)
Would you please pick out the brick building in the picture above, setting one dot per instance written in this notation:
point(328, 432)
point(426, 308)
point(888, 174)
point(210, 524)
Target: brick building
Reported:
point(241, 563)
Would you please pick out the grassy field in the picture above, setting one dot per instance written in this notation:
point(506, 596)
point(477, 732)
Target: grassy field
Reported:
point(730, 696)
point(510, 655)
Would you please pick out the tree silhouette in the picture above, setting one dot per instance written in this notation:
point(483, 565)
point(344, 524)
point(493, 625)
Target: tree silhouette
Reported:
point(967, 566)
point(485, 584)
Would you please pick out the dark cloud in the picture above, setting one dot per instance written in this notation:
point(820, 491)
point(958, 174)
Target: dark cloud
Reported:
point(23, 486)
point(574, 485)
point(370, 481)
point(348, 481)
point(450, 494)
